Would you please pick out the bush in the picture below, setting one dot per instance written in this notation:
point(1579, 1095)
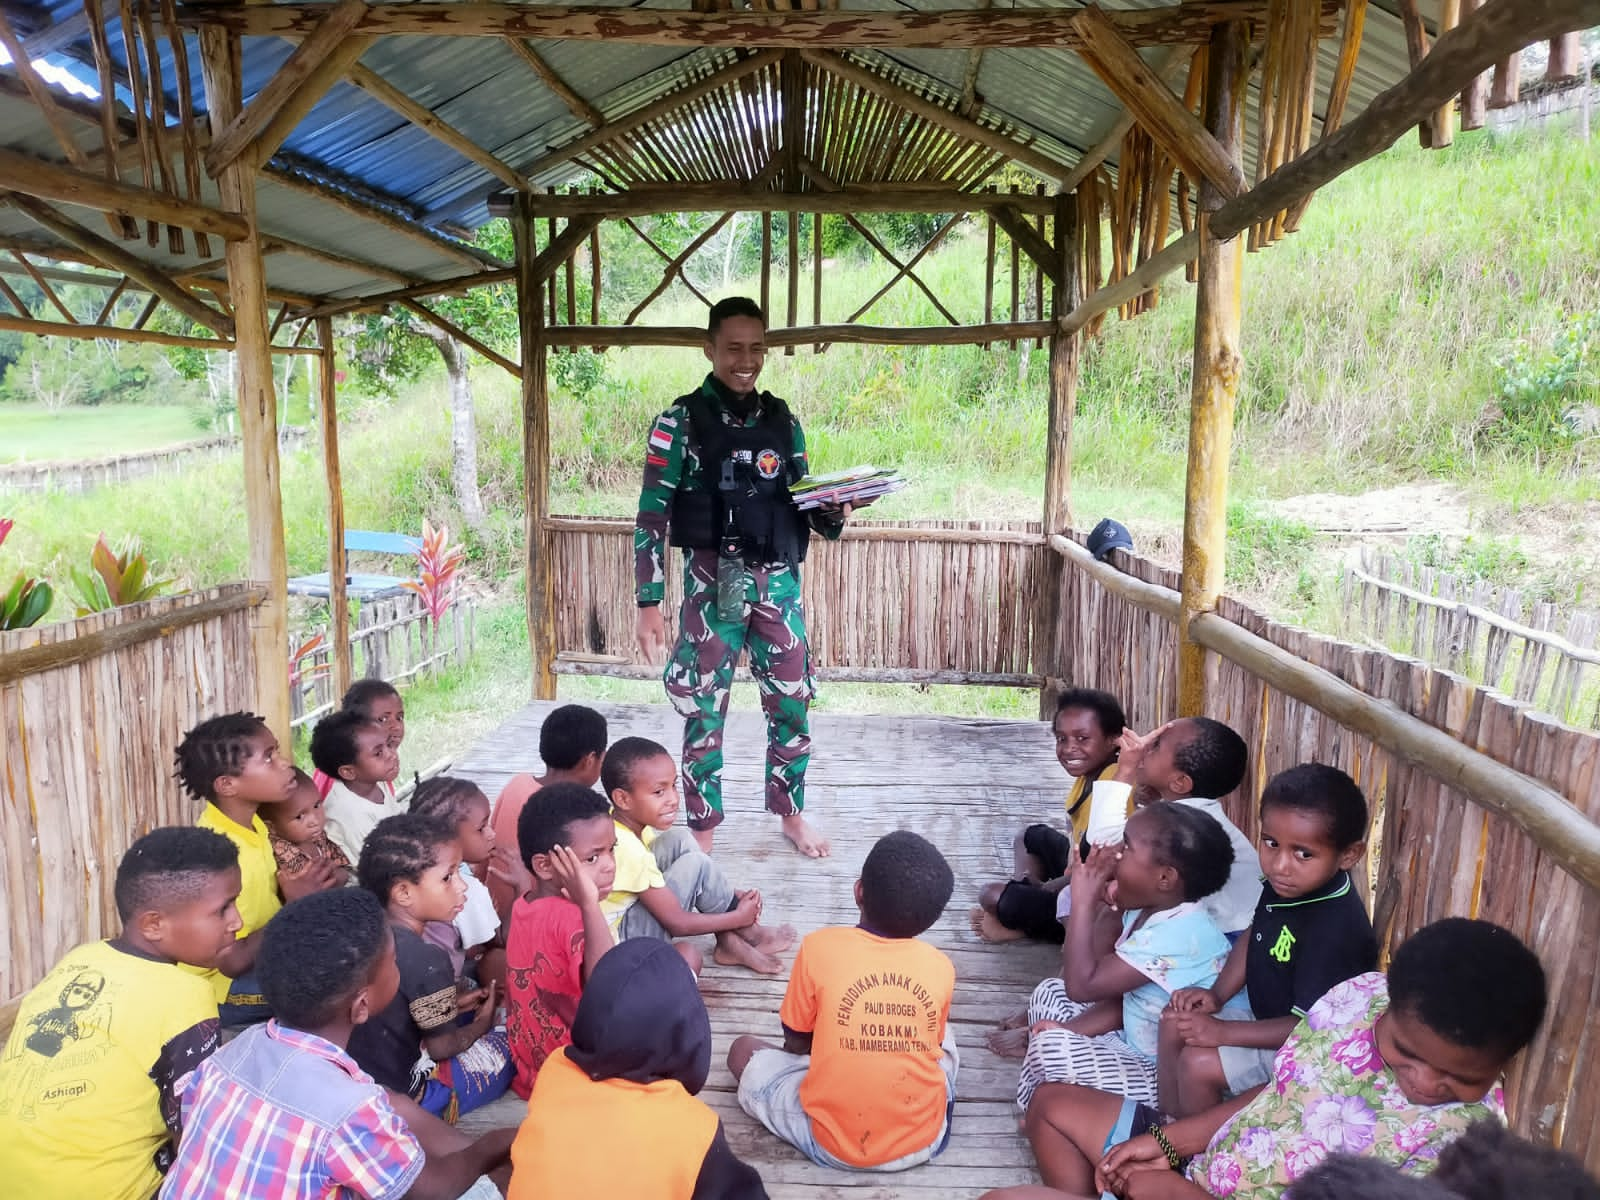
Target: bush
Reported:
point(1548, 398)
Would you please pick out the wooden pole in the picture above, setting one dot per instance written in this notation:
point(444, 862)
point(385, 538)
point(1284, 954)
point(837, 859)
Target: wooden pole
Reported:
point(1475, 96)
point(541, 603)
point(1217, 368)
point(1443, 131)
point(338, 564)
point(258, 406)
point(1057, 517)
point(792, 261)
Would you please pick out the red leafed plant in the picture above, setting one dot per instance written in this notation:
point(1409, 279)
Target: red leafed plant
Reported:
point(438, 564)
point(302, 671)
point(28, 599)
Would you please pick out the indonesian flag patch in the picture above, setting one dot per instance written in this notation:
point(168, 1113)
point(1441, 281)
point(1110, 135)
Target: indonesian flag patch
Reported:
point(661, 439)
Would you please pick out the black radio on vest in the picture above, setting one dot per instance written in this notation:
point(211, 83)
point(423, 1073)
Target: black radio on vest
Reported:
point(738, 502)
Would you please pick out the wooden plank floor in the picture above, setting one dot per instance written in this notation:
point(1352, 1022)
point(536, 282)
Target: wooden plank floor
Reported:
point(967, 785)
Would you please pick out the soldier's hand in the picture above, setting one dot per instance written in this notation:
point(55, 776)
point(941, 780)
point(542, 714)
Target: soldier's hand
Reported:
point(651, 633)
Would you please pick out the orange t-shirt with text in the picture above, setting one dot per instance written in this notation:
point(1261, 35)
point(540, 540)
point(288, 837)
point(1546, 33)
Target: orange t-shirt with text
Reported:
point(876, 1009)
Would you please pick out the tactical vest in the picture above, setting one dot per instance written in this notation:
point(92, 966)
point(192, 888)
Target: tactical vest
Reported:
point(740, 494)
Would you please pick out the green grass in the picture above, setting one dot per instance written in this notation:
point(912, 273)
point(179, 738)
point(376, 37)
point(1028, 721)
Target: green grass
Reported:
point(33, 433)
point(1370, 339)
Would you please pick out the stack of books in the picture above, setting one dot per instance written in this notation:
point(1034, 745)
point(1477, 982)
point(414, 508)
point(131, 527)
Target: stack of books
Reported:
point(855, 486)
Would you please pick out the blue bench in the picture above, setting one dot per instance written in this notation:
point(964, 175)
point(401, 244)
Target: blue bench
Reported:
point(361, 585)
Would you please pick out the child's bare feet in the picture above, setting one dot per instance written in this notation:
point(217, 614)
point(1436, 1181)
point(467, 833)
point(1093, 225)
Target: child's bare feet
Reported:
point(733, 951)
point(1008, 1043)
point(771, 939)
point(987, 926)
point(806, 839)
point(1017, 1020)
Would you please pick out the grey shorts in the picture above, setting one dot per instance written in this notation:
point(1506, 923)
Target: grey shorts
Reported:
point(769, 1090)
point(1244, 1067)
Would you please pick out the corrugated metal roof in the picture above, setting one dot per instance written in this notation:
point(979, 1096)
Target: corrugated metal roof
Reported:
point(1047, 98)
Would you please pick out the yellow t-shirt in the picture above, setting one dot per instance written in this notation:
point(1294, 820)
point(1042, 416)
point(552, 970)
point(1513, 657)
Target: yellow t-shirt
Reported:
point(1077, 802)
point(258, 875)
point(636, 872)
point(100, 1048)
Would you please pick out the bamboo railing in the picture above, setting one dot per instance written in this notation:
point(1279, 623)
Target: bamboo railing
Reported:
point(90, 711)
point(1500, 822)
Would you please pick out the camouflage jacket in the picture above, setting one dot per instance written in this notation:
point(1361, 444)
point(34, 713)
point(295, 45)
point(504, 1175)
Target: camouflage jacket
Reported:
point(670, 458)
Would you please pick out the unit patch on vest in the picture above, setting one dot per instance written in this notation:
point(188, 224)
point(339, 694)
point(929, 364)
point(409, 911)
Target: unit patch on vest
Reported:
point(768, 464)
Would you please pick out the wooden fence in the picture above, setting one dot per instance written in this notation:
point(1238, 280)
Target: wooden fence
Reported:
point(82, 475)
point(1539, 653)
point(946, 602)
point(393, 639)
point(90, 711)
point(1434, 851)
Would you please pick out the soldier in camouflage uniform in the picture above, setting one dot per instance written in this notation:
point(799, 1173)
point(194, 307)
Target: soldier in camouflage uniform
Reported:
point(759, 451)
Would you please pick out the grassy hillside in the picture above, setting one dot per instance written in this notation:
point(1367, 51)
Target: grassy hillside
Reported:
point(1371, 338)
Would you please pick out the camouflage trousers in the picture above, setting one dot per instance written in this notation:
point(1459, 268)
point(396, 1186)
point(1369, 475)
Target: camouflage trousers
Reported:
point(699, 677)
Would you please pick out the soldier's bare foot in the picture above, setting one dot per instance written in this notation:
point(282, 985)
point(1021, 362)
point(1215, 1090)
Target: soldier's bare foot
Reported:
point(987, 926)
point(773, 940)
point(1008, 1043)
point(733, 951)
point(806, 839)
point(703, 838)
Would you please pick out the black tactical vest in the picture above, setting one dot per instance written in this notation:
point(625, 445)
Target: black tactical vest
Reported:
point(740, 494)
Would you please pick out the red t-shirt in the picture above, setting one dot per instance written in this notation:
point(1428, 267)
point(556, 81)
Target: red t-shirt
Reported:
point(544, 978)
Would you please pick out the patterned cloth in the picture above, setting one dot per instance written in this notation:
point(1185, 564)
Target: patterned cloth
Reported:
point(1176, 948)
point(1331, 1093)
point(284, 1114)
point(700, 671)
point(294, 857)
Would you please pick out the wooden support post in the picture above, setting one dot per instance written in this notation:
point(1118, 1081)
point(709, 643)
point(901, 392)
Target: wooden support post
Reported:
point(1217, 368)
point(1475, 96)
point(1506, 88)
point(1565, 52)
point(766, 266)
point(816, 274)
point(1443, 130)
point(1057, 517)
point(258, 408)
point(338, 601)
point(535, 452)
point(793, 263)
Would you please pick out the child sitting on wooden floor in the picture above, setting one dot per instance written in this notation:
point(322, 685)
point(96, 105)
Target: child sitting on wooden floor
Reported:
point(1086, 727)
point(866, 1076)
point(357, 755)
point(101, 1048)
point(416, 1045)
point(666, 887)
point(232, 762)
point(473, 940)
point(572, 744)
point(1392, 1068)
point(1098, 1022)
point(284, 1113)
point(1310, 932)
point(298, 832)
point(558, 930)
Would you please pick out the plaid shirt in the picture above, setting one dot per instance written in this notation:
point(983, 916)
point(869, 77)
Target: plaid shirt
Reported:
point(285, 1114)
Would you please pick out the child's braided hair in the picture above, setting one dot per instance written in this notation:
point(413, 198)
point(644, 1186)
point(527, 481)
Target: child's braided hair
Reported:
point(364, 693)
point(444, 798)
point(214, 748)
point(401, 849)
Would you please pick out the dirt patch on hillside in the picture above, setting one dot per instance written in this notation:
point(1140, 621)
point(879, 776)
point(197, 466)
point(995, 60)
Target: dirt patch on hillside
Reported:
point(1411, 510)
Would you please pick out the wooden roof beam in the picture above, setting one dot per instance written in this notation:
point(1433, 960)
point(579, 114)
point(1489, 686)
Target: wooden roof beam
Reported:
point(1176, 130)
point(40, 92)
point(962, 127)
point(381, 90)
point(628, 122)
point(122, 333)
point(565, 92)
point(317, 63)
point(1170, 59)
point(68, 185)
point(113, 255)
point(1030, 241)
point(271, 244)
point(737, 197)
point(1186, 23)
point(53, 37)
point(1486, 36)
point(970, 100)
